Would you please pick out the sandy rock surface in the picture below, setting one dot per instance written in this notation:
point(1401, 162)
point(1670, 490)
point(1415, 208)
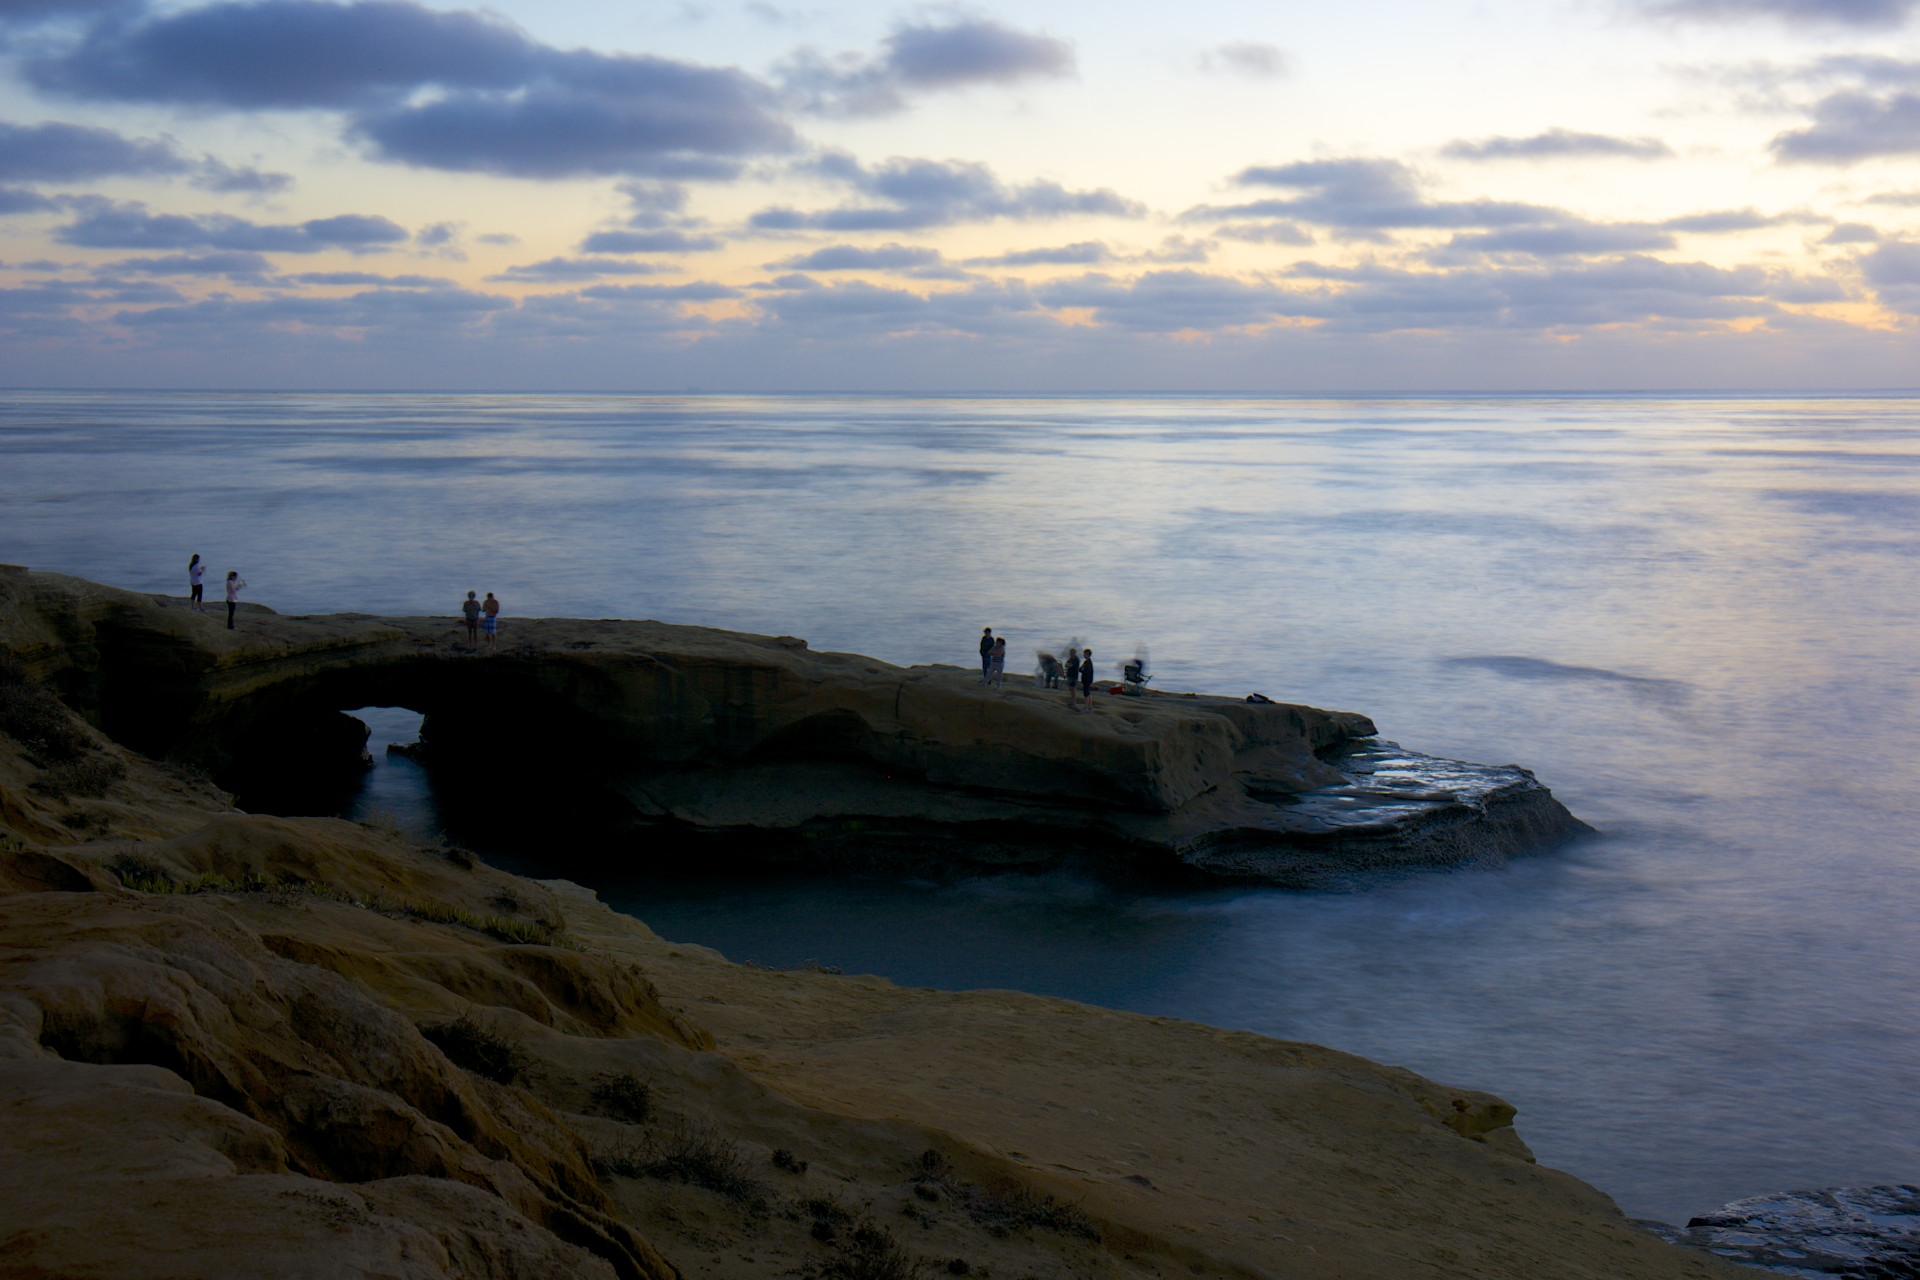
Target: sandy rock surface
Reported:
point(239, 1045)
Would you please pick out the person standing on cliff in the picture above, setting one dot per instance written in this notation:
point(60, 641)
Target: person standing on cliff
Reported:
point(471, 607)
point(1086, 676)
point(235, 585)
point(997, 662)
point(986, 655)
point(197, 583)
point(490, 623)
point(1073, 676)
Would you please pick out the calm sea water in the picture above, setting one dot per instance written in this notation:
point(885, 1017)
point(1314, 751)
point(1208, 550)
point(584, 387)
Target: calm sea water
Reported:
point(1694, 617)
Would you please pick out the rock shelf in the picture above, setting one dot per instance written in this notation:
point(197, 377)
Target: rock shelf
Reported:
point(670, 736)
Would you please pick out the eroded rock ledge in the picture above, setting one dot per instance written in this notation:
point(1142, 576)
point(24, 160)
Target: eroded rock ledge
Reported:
point(753, 743)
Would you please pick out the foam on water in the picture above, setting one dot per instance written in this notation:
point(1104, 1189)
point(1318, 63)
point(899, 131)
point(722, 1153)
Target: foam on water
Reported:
point(1694, 618)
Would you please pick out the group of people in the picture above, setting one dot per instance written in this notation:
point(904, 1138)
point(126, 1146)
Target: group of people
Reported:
point(197, 584)
point(1077, 670)
point(482, 616)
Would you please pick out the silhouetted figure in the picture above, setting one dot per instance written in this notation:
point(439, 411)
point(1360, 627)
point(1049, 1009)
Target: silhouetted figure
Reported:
point(1086, 674)
point(490, 619)
point(997, 662)
point(1073, 674)
point(234, 587)
point(197, 583)
point(471, 608)
point(986, 655)
point(1049, 670)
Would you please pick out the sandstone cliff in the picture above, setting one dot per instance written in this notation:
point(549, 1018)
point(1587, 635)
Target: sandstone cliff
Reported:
point(663, 739)
point(237, 1045)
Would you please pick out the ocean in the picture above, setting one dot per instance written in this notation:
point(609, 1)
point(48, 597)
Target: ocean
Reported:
point(1694, 617)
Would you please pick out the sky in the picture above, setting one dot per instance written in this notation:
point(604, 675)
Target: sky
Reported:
point(1214, 196)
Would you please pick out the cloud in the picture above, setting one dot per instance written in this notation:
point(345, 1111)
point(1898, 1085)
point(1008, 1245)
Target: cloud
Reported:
point(217, 175)
point(1893, 270)
point(1264, 233)
point(23, 200)
point(443, 90)
point(1852, 233)
point(1083, 253)
point(973, 52)
point(1556, 144)
point(655, 203)
point(106, 224)
point(1634, 290)
point(1573, 237)
point(917, 194)
point(858, 308)
point(565, 269)
point(698, 291)
point(227, 263)
point(921, 58)
point(664, 240)
point(590, 115)
point(290, 54)
point(1365, 196)
point(1374, 298)
point(369, 278)
point(1171, 301)
point(24, 13)
point(847, 257)
point(1248, 58)
point(1855, 125)
point(58, 152)
point(1728, 220)
point(1806, 13)
point(1894, 263)
point(401, 311)
point(74, 153)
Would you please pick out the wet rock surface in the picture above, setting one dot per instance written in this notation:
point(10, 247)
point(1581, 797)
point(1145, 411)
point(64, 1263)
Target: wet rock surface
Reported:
point(1848, 1233)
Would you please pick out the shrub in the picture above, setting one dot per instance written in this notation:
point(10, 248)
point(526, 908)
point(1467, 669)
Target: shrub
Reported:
point(869, 1252)
point(785, 1159)
point(143, 874)
point(90, 775)
point(697, 1154)
point(1003, 1209)
point(36, 719)
point(700, 1155)
point(472, 1047)
point(85, 822)
point(624, 1096)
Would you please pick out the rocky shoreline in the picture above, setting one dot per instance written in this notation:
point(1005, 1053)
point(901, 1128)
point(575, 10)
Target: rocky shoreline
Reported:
point(241, 1045)
point(662, 739)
